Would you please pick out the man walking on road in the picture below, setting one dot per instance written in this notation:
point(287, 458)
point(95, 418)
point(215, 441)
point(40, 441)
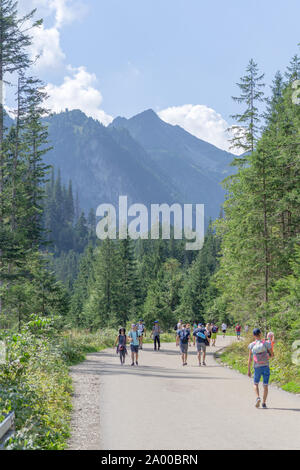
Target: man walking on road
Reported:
point(238, 330)
point(224, 329)
point(183, 338)
point(214, 331)
point(133, 337)
point(156, 335)
point(200, 334)
point(260, 351)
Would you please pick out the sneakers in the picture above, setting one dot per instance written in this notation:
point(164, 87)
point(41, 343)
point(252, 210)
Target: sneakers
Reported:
point(137, 363)
point(204, 363)
point(264, 406)
point(132, 364)
point(257, 404)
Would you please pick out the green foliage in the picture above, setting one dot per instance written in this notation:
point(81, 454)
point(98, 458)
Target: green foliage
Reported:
point(66, 226)
point(198, 293)
point(286, 302)
point(38, 292)
point(283, 372)
point(35, 381)
point(36, 385)
point(261, 225)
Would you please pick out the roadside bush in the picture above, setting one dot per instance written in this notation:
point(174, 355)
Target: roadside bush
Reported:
point(283, 372)
point(35, 381)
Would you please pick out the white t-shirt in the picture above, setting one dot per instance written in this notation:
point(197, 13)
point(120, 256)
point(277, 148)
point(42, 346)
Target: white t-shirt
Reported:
point(224, 326)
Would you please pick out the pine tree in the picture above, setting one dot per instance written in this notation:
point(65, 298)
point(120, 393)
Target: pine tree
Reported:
point(81, 233)
point(128, 287)
point(100, 307)
point(70, 209)
point(194, 293)
point(35, 140)
point(84, 281)
point(293, 70)
point(14, 39)
point(246, 130)
point(273, 103)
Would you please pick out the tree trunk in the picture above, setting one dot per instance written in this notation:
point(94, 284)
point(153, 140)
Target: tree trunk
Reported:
point(267, 252)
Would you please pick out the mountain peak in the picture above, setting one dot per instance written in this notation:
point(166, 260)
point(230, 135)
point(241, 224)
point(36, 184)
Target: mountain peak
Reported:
point(119, 121)
point(147, 117)
point(149, 114)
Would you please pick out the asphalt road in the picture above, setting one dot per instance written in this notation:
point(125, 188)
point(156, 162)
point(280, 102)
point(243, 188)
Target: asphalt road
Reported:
point(163, 405)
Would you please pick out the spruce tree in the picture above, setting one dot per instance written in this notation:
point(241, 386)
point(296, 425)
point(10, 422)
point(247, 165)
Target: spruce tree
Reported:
point(14, 58)
point(293, 70)
point(247, 128)
point(100, 308)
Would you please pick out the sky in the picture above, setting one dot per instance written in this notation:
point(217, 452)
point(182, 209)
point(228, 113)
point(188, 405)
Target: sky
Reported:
point(182, 58)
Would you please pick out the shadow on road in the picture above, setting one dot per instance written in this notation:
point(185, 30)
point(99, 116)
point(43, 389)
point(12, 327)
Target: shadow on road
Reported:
point(283, 409)
point(94, 367)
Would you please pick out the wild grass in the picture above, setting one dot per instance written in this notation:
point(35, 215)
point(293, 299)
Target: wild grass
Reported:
point(283, 372)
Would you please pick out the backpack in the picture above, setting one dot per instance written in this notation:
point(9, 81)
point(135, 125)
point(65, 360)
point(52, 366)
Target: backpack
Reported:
point(201, 335)
point(185, 336)
point(258, 349)
point(215, 329)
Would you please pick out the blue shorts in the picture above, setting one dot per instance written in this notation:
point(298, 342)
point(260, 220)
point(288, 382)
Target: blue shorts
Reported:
point(184, 348)
point(134, 349)
point(263, 371)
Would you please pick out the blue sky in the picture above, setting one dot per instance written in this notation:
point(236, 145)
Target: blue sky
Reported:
point(124, 56)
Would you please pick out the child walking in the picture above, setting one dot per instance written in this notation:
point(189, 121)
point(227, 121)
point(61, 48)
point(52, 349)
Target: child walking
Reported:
point(121, 345)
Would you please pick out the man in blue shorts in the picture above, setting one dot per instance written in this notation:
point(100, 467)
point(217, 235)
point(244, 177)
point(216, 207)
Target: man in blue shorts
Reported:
point(134, 338)
point(260, 351)
point(200, 334)
point(183, 339)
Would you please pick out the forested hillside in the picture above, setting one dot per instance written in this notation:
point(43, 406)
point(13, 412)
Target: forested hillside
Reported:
point(257, 279)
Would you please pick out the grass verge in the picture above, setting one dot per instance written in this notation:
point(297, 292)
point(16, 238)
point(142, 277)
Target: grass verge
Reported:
point(35, 381)
point(284, 373)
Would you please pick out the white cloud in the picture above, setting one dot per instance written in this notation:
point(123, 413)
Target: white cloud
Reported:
point(77, 92)
point(201, 121)
point(64, 11)
point(46, 45)
point(46, 41)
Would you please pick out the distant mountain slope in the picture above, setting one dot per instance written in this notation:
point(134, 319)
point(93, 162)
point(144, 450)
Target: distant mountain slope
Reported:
point(144, 158)
point(194, 166)
point(104, 163)
point(158, 136)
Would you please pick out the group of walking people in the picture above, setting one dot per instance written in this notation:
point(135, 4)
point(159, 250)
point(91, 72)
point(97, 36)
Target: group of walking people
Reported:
point(203, 336)
point(135, 339)
point(260, 349)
